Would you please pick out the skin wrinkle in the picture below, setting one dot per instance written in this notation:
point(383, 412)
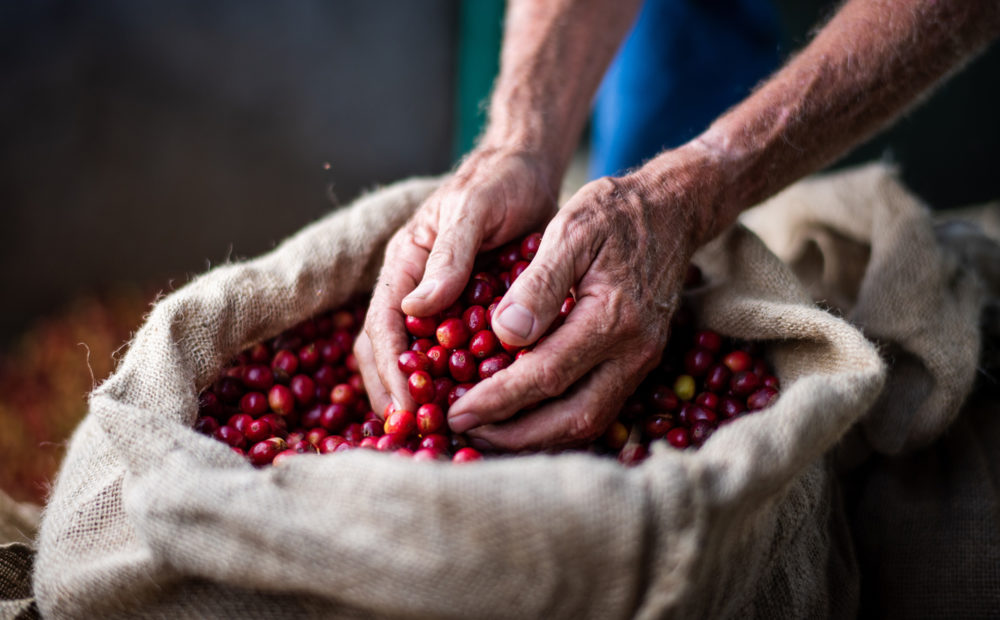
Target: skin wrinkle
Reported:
point(635, 234)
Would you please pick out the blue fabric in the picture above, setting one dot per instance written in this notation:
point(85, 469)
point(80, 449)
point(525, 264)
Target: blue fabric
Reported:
point(683, 64)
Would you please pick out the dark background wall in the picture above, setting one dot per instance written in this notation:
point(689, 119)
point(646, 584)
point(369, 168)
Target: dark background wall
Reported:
point(141, 140)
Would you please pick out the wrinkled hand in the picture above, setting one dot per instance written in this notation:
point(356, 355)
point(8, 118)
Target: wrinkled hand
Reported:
point(625, 245)
point(493, 197)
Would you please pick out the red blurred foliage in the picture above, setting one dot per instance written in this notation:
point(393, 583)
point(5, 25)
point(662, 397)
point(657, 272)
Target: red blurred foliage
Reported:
point(45, 376)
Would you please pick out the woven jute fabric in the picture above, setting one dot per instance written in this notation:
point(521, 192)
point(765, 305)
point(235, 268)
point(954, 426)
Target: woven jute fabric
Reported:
point(149, 518)
point(922, 479)
point(866, 247)
point(16, 600)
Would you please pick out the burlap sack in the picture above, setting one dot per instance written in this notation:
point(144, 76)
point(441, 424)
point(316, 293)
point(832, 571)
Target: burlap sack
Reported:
point(148, 518)
point(865, 246)
point(924, 507)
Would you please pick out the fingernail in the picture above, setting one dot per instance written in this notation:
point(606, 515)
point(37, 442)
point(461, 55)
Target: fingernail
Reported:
point(424, 290)
point(517, 319)
point(463, 422)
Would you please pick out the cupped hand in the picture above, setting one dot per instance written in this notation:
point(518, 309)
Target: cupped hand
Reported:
point(625, 245)
point(495, 195)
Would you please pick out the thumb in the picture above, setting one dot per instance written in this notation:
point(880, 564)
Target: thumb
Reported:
point(534, 298)
point(449, 266)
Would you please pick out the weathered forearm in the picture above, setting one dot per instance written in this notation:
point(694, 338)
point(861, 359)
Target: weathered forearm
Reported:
point(872, 61)
point(554, 54)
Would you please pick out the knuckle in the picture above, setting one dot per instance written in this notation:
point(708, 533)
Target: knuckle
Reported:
point(583, 428)
point(549, 380)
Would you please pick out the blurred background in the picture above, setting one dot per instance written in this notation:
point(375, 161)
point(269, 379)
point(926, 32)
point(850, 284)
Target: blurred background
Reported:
point(143, 142)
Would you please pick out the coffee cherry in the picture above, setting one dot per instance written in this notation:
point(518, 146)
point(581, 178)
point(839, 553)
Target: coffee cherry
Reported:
point(708, 340)
point(303, 389)
point(662, 398)
point(492, 365)
point(452, 333)
point(530, 245)
point(373, 428)
point(263, 453)
point(253, 403)
point(479, 292)
point(684, 387)
point(335, 417)
point(343, 394)
point(438, 359)
point(708, 400)
point(421, 326)
point(281, 399)
point(258, 377)
point(466, 455)
point(738, 361)
point(656, 426)
point(206, 425)
point(284, 365)
point(698, 361)
point(401, 422)
point(390, 442)
point(743, 383)
point(761, 398)
point(412, 361)
point(422, 345)
point(229, 435)
point(678, 437)
point(483, 344)
point(329, 443)
point(462, 365)
point(717, 378)
point(229, 390)
point(430, 419)
point(421, 387)
point(475, 319)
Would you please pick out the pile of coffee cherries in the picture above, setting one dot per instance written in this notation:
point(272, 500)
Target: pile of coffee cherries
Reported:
point(703, 381)
point(301, 392)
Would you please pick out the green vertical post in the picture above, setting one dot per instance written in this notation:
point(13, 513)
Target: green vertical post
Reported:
point(480, 28)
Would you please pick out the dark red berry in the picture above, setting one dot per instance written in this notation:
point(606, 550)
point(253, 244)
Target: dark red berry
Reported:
point(335, 417)
point(717, 378)
point(698, 361)
point(229, 435)
point(438, 358)
point(421, 387)
point(412, 361)
point(466, 455)
point(452, 333)
point(483, 344)
point(738, 361)
point(656, 426)
point(258, 377)
point(258, 430)
point(421, 326)
point(475, 319)
point(529, 246)
point(303, 389)
point(744, 383)
point(422, 345)
point(462, 366)
point(284, 365)
point(281, 399)
point(761, 398)
point(492, 365)
point(430, 419)
point(678, 437)
point(707, 339)
point(401, 422)
point(206, 425)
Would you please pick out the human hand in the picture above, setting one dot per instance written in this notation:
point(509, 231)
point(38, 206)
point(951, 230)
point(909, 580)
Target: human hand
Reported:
point(625, 245)
point(495, 195)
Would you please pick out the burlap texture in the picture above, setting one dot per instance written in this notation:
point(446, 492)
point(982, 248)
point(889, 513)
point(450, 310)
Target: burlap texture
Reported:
point(16, 601)
point(149, 518)
point(865, 246)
